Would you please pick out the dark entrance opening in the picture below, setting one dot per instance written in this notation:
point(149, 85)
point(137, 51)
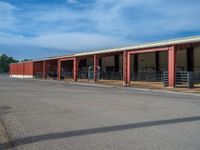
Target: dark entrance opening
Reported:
point(67, 69)
point(149, 66)
point(83, 69)
point(38, 69)
point(52, 68)
point(111, 67)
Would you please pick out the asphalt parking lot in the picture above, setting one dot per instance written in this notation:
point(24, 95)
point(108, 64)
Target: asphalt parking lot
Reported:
point(59, 116)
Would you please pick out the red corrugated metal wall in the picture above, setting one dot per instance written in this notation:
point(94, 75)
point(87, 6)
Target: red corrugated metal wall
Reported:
point(14, 69)
point(24, 68)
point(28, 68)
point(31, 68)
point(20, 69)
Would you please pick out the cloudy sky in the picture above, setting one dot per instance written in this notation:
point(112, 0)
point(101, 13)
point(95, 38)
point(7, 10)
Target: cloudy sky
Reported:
point(41, 28)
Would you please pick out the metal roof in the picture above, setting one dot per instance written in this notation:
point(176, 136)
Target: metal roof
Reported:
point(192, 39)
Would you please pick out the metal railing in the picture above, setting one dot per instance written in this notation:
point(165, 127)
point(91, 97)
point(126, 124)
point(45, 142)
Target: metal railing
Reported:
point(52, 74)
point(83, 75)
point(196, 77)
point(165, 78)
point(183, 79)
point(111, 75)
point(102, 75)
point(147, 76)
point(66, 75)
point(118, 75)
point(38, 75)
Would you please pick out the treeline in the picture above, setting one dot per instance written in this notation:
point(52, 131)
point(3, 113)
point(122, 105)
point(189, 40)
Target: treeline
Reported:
point(4, 63)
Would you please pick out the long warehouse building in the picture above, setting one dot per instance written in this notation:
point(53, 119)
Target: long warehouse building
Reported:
point(163, 61)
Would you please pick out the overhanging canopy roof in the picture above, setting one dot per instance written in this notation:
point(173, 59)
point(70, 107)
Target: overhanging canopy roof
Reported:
point(186, 40)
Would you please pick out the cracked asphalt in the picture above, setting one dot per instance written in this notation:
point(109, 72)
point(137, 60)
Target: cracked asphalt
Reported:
point(52, 115)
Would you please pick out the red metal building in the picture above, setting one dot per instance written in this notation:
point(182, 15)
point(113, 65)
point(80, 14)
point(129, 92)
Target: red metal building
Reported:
point(139, 62)
point(21, 70)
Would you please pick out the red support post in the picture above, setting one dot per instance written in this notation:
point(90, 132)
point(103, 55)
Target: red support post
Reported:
point(58, 68)
point(44, 69)
point(128, 68)
point(172, 66)
point(96, 64)
point(125, 68)
point(75, 68)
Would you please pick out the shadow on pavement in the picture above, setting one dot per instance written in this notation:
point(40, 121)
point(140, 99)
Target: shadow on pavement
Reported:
point(83, 132)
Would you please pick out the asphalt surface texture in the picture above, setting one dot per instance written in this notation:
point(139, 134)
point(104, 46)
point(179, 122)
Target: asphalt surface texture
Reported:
point(51, 115)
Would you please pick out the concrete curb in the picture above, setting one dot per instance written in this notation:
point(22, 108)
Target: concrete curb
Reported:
point(162, 91)
point(41, 80)
point(91, 84)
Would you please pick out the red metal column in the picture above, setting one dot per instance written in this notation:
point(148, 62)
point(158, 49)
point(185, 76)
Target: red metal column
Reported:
point(96, 64)
point(44, 69)
point(172, 66)
point(58, 68)
point(75, 68)
point(135, 66)
point(125, 68)
point(128, 68)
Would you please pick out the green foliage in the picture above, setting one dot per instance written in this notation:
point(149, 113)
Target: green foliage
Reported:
point(4, 63)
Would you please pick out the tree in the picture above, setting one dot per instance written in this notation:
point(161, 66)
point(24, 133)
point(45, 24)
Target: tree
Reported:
point(4, 63)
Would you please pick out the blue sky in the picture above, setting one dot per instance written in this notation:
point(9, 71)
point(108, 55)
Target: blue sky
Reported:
point(41, 28)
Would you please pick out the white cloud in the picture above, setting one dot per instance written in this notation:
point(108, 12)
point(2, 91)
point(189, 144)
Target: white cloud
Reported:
point(7, 19)
point(141, 18)
point(76, 41)
point(120, 18)
point(100, 24)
